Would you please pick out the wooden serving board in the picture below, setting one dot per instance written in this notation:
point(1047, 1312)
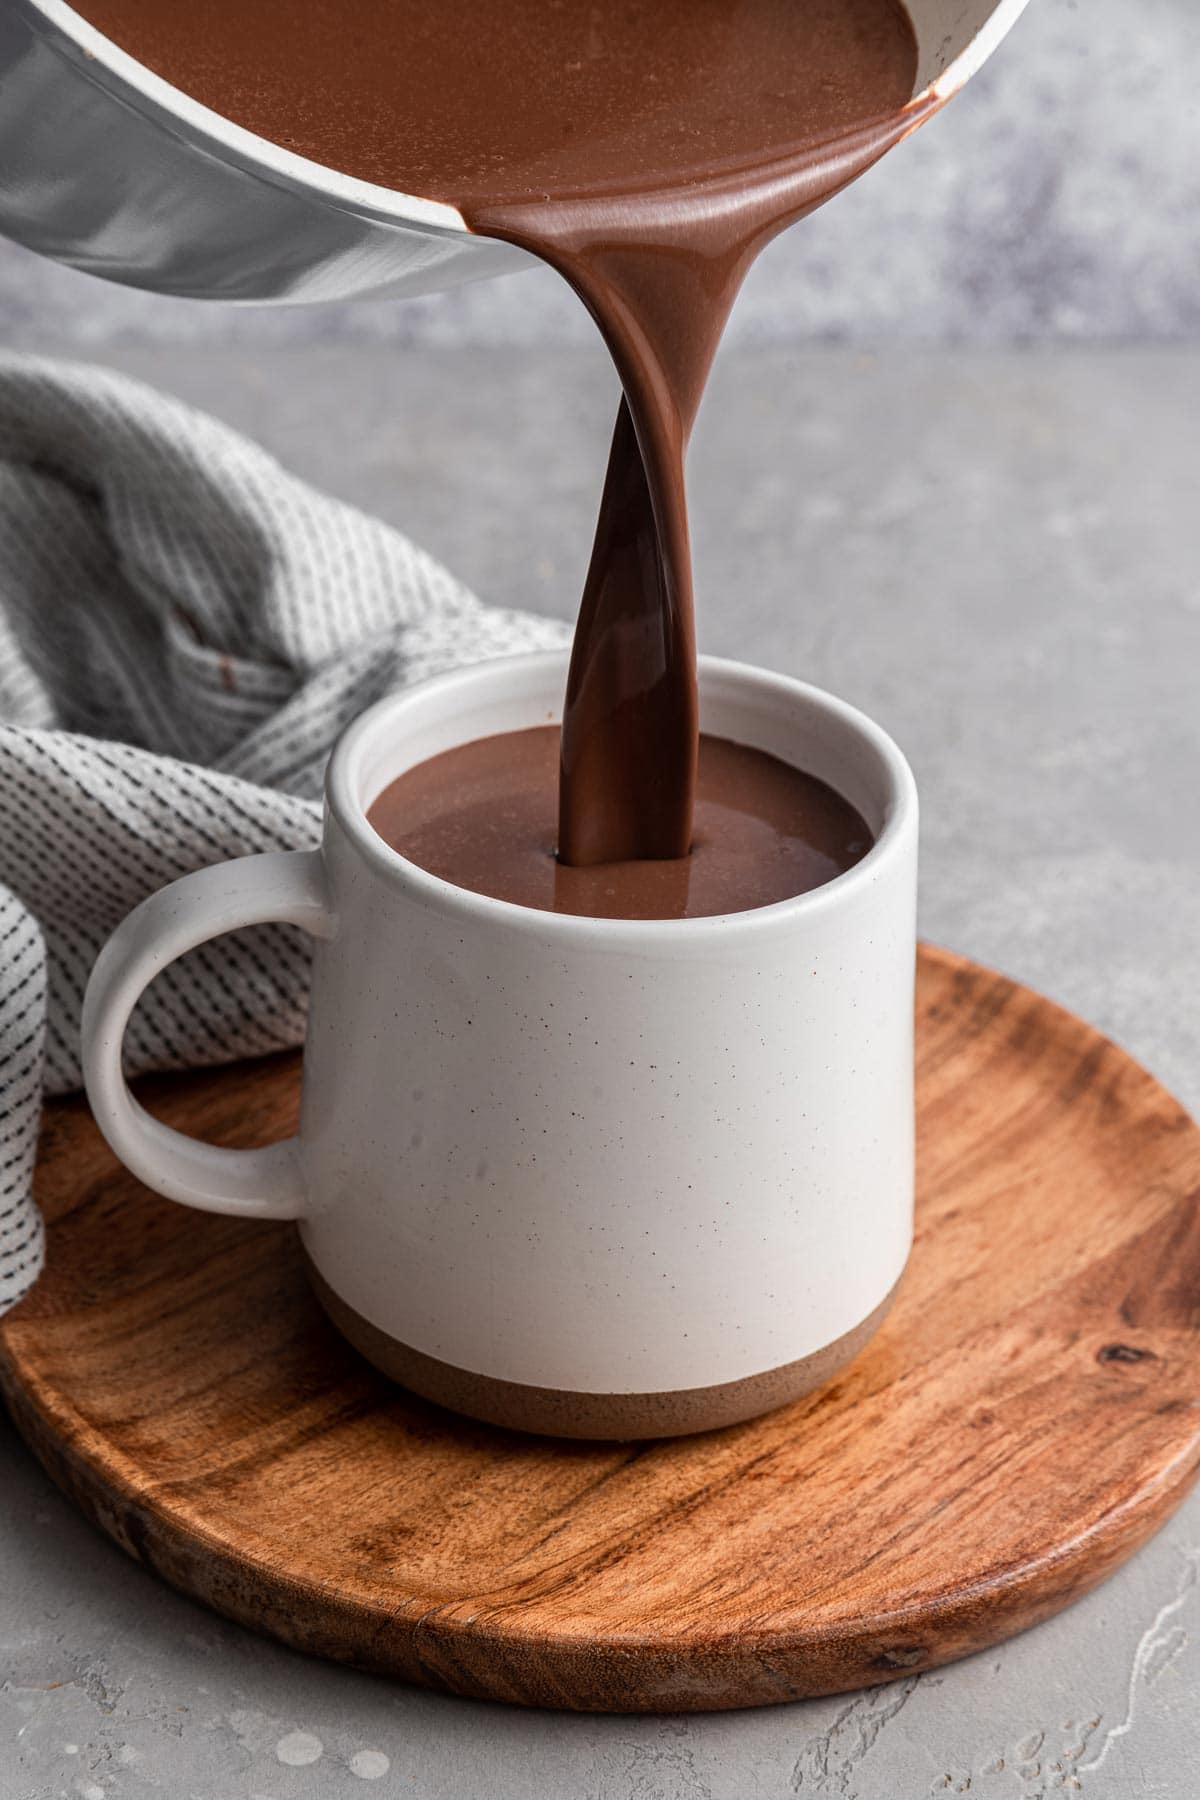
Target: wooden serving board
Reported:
point(1028, 1415)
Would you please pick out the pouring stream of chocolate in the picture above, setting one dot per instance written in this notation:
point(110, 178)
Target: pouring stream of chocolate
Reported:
point(648, 150)
point(660, 278)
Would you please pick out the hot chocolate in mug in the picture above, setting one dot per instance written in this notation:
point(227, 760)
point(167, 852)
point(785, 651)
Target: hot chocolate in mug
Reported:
point(593, 1177)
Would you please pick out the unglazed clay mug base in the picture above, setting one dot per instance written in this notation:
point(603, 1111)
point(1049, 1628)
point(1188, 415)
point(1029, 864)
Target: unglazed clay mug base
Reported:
point(591, 1177)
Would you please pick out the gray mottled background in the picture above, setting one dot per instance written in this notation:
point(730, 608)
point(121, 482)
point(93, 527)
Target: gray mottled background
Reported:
point(1059, 197)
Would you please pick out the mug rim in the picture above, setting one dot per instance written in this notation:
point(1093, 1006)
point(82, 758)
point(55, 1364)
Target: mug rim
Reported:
point(342, 804)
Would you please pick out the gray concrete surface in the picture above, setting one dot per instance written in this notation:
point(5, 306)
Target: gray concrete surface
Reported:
point(999, 556)
point(1057, 197)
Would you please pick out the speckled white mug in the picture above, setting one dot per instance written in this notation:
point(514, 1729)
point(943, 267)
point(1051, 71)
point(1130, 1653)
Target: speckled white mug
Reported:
point(595, 1177)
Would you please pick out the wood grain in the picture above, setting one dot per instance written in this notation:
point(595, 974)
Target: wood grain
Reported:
point(1028, 1415)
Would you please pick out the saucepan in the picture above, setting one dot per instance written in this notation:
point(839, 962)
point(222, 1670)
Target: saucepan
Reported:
point(105, 166)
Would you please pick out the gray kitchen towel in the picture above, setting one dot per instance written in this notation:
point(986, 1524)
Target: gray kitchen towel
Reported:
point(184, 630)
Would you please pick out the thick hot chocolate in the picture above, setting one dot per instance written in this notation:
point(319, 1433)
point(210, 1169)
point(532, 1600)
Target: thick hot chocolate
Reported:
point(648, 151)
point(485, 817)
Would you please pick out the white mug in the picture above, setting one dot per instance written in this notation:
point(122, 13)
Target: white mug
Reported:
point(595, 1177)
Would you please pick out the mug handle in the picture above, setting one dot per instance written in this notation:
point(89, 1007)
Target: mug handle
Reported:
point(285, 886)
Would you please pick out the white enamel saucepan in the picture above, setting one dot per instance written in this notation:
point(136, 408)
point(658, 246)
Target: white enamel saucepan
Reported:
point(107, 167)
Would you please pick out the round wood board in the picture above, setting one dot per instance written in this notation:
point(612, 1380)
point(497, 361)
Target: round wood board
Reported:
point(1027, 1416)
